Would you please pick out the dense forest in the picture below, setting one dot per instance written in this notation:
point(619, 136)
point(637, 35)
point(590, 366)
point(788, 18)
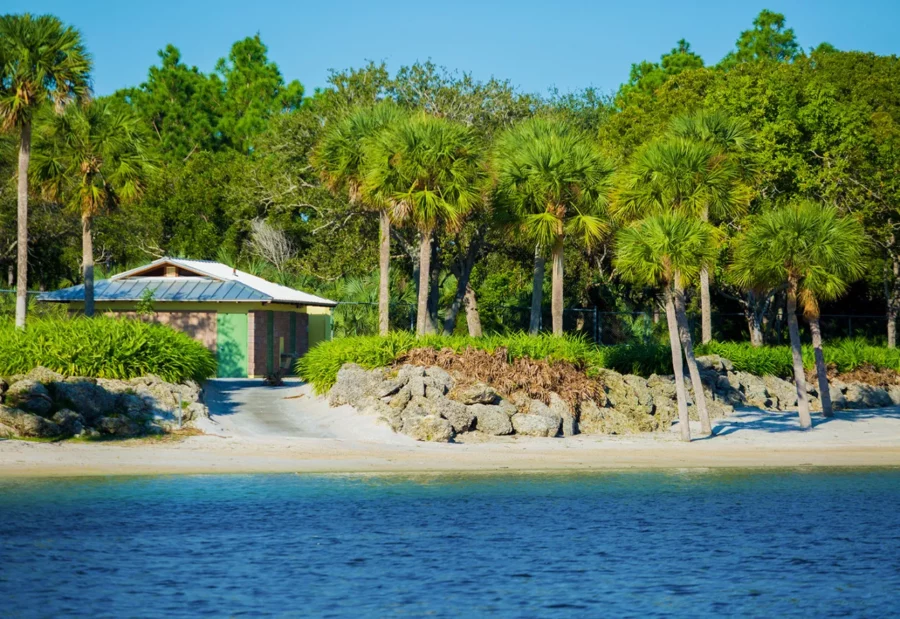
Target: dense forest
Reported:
point(242, 167)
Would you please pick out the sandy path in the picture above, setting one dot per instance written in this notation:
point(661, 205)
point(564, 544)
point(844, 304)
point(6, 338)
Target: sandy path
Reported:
point(748, 439)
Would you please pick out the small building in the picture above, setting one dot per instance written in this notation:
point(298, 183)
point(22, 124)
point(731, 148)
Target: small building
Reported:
point(254, 326)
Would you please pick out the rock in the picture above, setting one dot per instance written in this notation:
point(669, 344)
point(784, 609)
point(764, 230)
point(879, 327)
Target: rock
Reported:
point(784, 391)
point(893, 393)
point(479, 393)
point(409, 371)
point(69, 421)
point(440, 379)
point(628, 394)
point(715, 363)
point(194, 412)
point(44, 375)
point(560, 408)
point(505, 406)
point(118, 426)
point(859, 395)
point(400, 399)
point(416, 386)
point(139, 408)
point(154, 430)
point(491, 420)
point(428, 428)
point(753, 390)
point(388, 387)
point(15, 422)
point(460, 417)
point(535, 425)
point(30, 396)
point(85, 397)
point(353, 384)
point(536, 407)
point(4, 386)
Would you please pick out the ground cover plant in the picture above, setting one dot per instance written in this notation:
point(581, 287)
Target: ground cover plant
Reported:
point(103, 348)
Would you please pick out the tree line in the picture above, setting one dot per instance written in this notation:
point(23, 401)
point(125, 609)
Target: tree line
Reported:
point(432, 187)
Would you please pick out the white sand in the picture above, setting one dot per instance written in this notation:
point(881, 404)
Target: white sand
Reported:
point(308, 436)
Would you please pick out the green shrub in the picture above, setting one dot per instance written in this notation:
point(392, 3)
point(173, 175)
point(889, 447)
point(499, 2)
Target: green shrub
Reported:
point(103, 348)
point(640, 359)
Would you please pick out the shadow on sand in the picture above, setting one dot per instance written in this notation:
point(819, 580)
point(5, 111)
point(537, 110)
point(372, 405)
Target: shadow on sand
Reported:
point(775, 422)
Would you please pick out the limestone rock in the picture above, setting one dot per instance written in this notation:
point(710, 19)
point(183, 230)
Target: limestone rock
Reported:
point(44, 375)
point(353, 384)
point(30, 396)
point(194, 412)
point(784, 391)
point(440, 379)
point(388, 387)
point(118, 426)
point(85, 397)
point(560, 408)
point(458, 414)
point(715, 363)
point(15, 422)
point(505, 406)
point(479, 393)
point(69, 421)
point(416, 386)
point(3, 386)
point(491, 420)
point(400, 399)
point(535, 425)
point(859, 395)
point(628, 394)
point(428, 428)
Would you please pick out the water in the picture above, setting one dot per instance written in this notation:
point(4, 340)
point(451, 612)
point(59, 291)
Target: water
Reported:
point(823, 543)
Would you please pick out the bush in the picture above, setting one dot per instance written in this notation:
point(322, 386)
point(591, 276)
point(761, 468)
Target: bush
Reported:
point(103, 348)
point(321, 364)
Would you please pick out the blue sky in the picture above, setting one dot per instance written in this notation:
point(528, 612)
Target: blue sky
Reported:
point(537, 45)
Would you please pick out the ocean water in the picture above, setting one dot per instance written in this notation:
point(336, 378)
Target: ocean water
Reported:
point(808, 543)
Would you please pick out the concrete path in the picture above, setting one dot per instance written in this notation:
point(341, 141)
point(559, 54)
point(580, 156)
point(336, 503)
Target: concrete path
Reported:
point(247, 408)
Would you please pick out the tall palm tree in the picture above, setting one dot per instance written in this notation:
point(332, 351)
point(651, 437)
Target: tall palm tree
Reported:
point(40, 60)
point(734, 139)
point(431, 171)
point(688, 176)
point(555, 182)
point(817, 253)
point(339, 158)
point(670, 250)
point(91, 157)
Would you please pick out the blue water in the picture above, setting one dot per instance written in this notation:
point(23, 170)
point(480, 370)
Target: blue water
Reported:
point(795, 543)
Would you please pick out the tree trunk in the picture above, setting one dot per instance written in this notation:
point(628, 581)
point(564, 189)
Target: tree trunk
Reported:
point(688, 347)
point(422, 318)
point(463, 274)
point(892, 293)
point(705, 308)
point(537, 291)
point(797, 355)
point(684, 421)
point(384, 274)
point(473, 319)
point(87, 263)
point(11, 276)
point(22, 227)
point(821, 373)
point(556, 301)
point(434, 289)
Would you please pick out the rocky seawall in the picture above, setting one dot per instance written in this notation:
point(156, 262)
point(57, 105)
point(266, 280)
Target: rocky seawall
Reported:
point(45, 404)
point(432, 404)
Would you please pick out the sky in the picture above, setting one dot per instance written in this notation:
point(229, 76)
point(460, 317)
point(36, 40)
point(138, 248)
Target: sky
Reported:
point(567, 45)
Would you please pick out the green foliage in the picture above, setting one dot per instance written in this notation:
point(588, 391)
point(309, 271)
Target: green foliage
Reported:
point(103, 348)
point(639, 359)
point(768, 40)
point(646, 77)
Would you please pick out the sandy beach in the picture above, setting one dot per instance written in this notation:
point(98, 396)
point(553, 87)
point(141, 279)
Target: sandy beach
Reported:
point(293, 431)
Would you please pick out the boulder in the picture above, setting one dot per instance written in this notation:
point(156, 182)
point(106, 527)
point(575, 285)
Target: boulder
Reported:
point(505, 406)
point(715, 363)
point(440, 379)
point(29, 395)
point(458, 414)
point(628, 394)
point(69, 421)
point(416, 386)
point(194, 412)
point(784, 391)
point(594, 419)
point(400, 399)
point(388, 387)
point(428, 428)
point(535, 425)
point(118, 426)
point(85, 397)
point(860, 395)
point(44, 375)
point(15, 422)
point(479, 393)
point(3, 386)
point(491, 420)
point(893, 393)
point(560, 408)
point(353, 384)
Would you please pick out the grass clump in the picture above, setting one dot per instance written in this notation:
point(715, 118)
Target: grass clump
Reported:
point(103, 347)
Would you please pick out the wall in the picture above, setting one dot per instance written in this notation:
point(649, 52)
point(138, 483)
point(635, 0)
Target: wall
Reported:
point(287, 332)
point(198, 324)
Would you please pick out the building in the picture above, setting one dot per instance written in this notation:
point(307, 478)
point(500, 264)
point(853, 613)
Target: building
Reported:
point(253, 326)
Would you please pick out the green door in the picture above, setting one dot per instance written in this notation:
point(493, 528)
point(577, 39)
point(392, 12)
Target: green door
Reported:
point(319, 329)
point(231, 345)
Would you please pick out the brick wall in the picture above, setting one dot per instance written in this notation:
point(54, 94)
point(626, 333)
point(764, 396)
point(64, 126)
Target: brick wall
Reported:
point(199, 325)
point(258, 345)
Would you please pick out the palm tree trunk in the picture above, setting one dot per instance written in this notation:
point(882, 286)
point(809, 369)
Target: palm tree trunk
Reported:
point(556, 301)
point(473, 319)
point(384, 268)
point(22, 227)
point(892, 294)
point(684, 422)
point(821, 373)
point(422, 317)
point(688, 347)
point(537, 291)
point(463, 273)
point(796, 353)
point(87, 262)
point(705, 307)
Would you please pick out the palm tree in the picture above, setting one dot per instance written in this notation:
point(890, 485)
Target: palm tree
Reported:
point(555, 182)
point(40, 60)
point(339, 157)
point(734, 139)
point(91, 157)
point(670, 250)
point(817, 253)
point(430, 170)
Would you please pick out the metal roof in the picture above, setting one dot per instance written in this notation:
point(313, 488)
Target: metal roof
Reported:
point(214, 282)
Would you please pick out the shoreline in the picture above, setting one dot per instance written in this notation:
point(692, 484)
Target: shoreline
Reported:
point(213, 455)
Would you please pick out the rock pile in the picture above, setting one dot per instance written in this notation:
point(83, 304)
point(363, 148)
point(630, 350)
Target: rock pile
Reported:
point(45, 404)
point(429, 404)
